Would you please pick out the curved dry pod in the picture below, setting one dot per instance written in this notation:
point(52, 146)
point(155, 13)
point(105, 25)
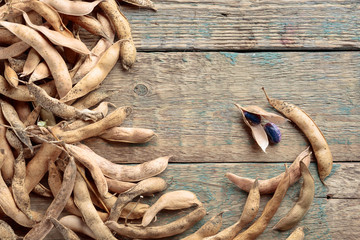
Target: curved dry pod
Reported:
point(67, 233)
point(52, 57)
point(298, 211)
point(13, 50)
point(268, 186)
point(312, 132)
point(94, 78)
point(7, 158)
point(89, 23)
point(176, 227)
point(10, 75)
point(76, 224)
point(248, 214)
point(59, 38)
point(117, 186)
point(297, 234)
point(128, 135)
point(174, 200)
point(144, 187)
point(32, 60)
point(73, 8)
point(6, 232)
point(259, 226)
point(210, 228)
point(40, 72)
point(142, 3)
point(93, 98)
point(127, 173)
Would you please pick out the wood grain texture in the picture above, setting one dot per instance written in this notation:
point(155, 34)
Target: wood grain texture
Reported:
point(187, 99)
point(187, 25)
point(326, 219)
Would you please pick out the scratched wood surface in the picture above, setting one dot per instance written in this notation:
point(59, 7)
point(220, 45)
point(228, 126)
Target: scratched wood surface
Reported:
point(188, 25)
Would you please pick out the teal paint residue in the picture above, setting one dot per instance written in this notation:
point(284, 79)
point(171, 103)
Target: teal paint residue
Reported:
point(228, 142)
point(208, 57)
point(231, 56)
point(184, 59)
point(267, 58)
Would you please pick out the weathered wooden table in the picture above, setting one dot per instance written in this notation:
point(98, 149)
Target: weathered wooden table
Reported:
point(197, 58)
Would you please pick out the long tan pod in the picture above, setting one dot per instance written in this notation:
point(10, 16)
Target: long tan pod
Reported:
point(89, 23)
point(21, 93)
point(41, 71)
point(33, 116)
point(43, 191)
point(176, 227)
point(13, 50)
point(87, 209)
point(76, 224)
point(128, 135)
point(32, 60)
point(67, 233)
point(73, 8)
point(7, 156)
point(311, 130)
point(95, 77)
point(113, 119)
point(268, 186)
point(13, 119)
point(123, 31)
point(93, 98)
point(94, 169)
point(259, 226)
point(7, 38)
point(22, 109)
point(59, 108)
point(298, 211)
point(51, 56)
point(126, 173)
point(6, 232)
point(117, 186)
point(40, 230)
point(38, 165)
point(58, 38)
point(210, 228)
point(9, 207)
point(297, 234)
point(144, 187)
point(142, 3)
point(174, 200)
point(248, 214)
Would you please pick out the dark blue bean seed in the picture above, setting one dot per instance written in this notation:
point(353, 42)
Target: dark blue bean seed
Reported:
point(273, 132)
point(252, 118)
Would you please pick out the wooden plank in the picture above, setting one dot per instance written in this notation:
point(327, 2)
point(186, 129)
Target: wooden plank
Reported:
point(326, 219)
point(187, 98)
point(245, 25)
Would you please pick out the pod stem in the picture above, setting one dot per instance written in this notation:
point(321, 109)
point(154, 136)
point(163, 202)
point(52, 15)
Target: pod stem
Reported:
point(267, 97)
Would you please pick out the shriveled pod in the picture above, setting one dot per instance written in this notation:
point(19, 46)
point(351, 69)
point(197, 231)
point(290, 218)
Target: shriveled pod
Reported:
point(144, 187)
point(128, 135)
point(312, 132)
point(93, 98)
point(40, 72)
point(297, 234)
point(13, 119)
point(259, 226)
point(268, 186)
point(87, 209)
point(248, 214)
point(6, 232)
point(210, 228)
point(92, 79)
point(67, 233)
point(115, 118)
point(76, 224)
point(132, 173)
point(142, 3)
point(13, 50)
point(9, 207)
point(174, 200)
point(43, 191)
point(73, 8)
point(252, 118)
point(59, 108)
point(89, 23)
point(21, 93)
point(33, 116)
point(298, 211)
point(58, 38)
point(16, 64)
point(32, 60)
point(10, 75)
point(123, 31)
point(7, 157)
point(176, 227)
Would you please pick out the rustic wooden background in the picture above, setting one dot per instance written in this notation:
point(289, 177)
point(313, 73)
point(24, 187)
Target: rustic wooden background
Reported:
point(197, 58)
